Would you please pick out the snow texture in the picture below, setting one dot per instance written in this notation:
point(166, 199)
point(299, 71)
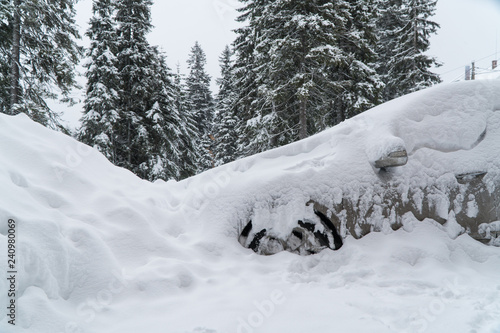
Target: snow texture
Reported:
point(100, 250)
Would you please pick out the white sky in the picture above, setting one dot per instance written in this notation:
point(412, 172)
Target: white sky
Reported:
point(179, 23)
point(470, 30)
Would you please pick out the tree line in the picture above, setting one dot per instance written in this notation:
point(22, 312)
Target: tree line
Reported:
point(295, 68)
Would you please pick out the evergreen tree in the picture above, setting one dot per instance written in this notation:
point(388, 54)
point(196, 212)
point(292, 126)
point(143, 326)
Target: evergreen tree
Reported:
point(407, 27)
point(389, 24)
point(131, 111)
point(101, 114)
point(256, 122)
point(225, 119)
point(38, 44)
point(134, 60)
point(245, 83)
point(200, 103)
point(300, 56)
point(198, 85)
point(170, 129)
point(5, 49)
point(190, 155)
point(358, 85)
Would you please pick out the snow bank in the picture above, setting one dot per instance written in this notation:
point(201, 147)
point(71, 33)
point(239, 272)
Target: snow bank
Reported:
point(99, 250)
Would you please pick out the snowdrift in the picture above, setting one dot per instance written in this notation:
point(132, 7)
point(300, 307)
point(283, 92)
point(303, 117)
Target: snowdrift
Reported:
point(99, 250)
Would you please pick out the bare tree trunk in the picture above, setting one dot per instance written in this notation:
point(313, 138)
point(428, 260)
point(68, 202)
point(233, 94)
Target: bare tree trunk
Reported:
point(303, 119)
point(15, 57)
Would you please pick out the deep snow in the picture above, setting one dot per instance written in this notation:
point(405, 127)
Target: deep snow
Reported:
point(99, 250)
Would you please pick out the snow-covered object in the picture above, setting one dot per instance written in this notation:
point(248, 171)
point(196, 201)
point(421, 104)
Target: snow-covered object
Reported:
point(99, 250)
point(449, 137)
point(491, 231)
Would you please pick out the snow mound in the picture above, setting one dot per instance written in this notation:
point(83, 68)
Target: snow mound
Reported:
point(491, 231)
point(99, 250)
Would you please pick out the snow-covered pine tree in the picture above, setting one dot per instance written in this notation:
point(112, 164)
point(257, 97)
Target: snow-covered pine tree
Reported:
point(358, 85)
point(151, 135)
point(406, 38)
point(180, 92)
point(250, 140)
point(135, 58)
point(301, 55)
point(260, 123)
point(190, 154)
point(388, 25)
point(172, 151)
point(5, 46)
point(201, 105)
point(38, 43)
point(225, 119)
point(101, 112)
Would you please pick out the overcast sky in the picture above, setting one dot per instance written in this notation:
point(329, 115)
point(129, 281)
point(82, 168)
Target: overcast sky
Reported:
point(470, 30)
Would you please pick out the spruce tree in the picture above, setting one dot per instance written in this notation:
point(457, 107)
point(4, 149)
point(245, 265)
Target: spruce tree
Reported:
point(134, 61)
point(300, 56)
point(38, 44)
point(389, 24)
point(358, 86)
point(225, 118)
point(5, 42)
point(198, 85)
point(256, 120)
point(171, 152)
point(201, 105)
point(190, 155)
point(101, 113)
point(131, 111)
point(406, 38)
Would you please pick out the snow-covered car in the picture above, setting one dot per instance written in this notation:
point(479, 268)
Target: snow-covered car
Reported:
point(433, 154)
point(95, 244)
